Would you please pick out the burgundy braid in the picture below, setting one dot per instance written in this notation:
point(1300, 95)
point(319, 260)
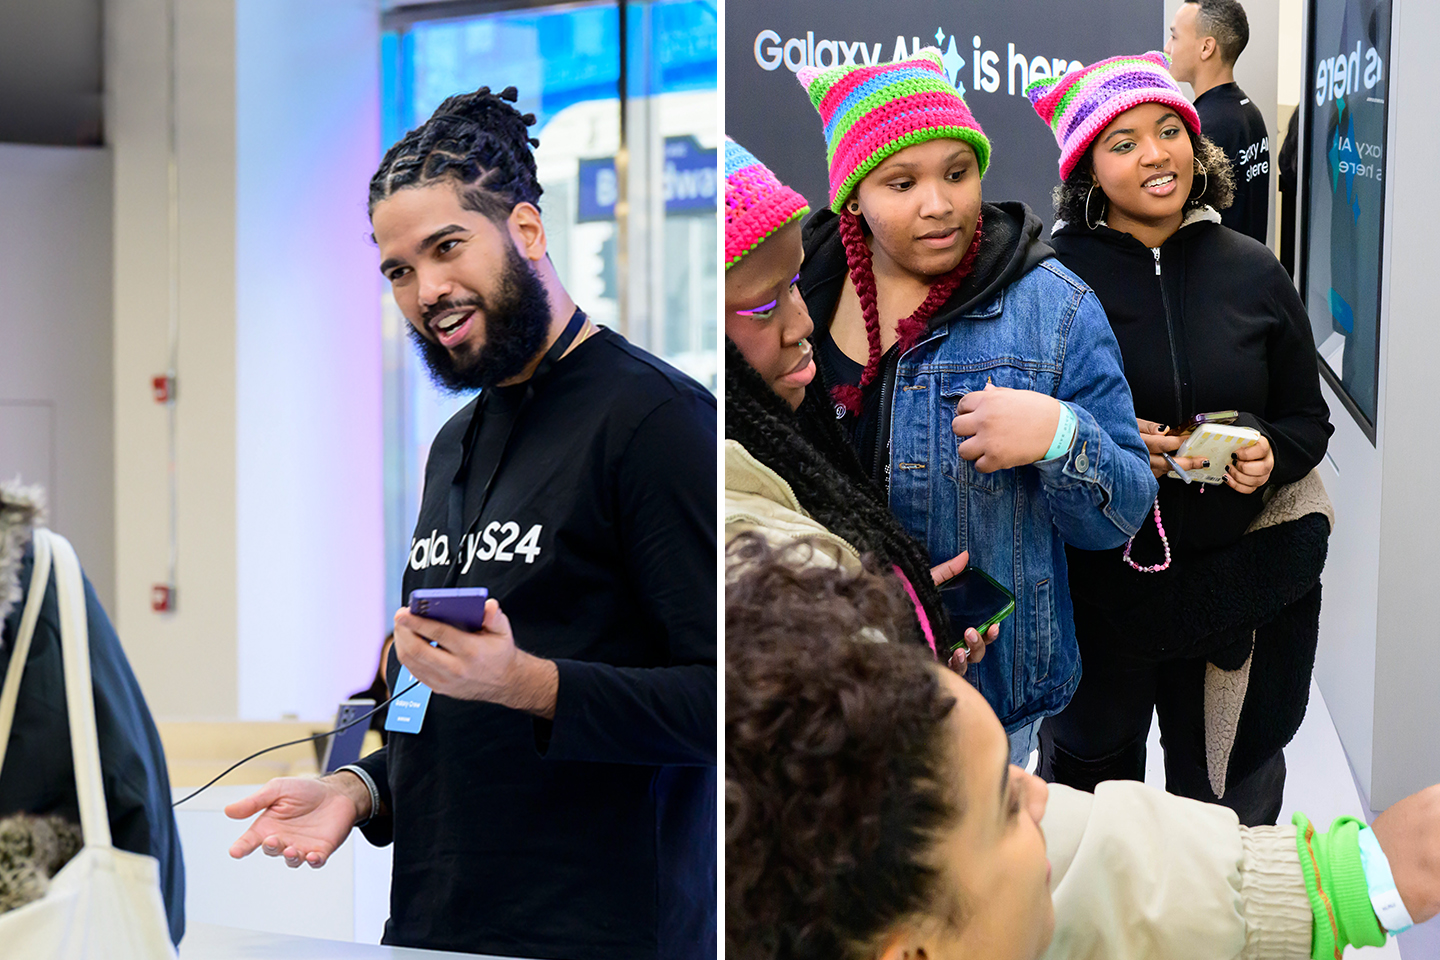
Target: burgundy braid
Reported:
point(909, 330)
point(857, 255)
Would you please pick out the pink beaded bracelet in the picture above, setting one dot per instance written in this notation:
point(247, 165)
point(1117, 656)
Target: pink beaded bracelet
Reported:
point(1163, 540)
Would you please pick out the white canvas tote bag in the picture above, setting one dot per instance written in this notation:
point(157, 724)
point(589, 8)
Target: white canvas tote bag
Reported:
point(105, 902)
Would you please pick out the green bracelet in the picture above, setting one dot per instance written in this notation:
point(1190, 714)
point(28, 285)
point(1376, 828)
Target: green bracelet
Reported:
point(1335, 884)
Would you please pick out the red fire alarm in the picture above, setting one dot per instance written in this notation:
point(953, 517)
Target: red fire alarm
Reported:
point(162, 598)
point(163, 388)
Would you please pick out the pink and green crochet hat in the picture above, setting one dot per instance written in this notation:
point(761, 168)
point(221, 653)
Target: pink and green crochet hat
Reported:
point(873, 112)
point(756, 203)
point(1079, 105)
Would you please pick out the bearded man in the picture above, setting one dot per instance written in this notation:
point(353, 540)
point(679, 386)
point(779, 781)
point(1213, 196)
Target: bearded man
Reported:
point(558, 796)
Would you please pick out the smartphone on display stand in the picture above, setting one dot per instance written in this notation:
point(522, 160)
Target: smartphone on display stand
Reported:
point(974, 599)
point(462, 607)
point(344, 747)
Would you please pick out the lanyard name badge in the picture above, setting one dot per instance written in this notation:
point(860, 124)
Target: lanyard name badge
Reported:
point(407, 713)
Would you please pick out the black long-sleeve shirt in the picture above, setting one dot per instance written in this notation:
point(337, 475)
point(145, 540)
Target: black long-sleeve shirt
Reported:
point(1214, 324)
point(592, 835)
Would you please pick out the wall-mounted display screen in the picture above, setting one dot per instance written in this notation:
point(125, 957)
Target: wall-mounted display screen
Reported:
point(1348, 67)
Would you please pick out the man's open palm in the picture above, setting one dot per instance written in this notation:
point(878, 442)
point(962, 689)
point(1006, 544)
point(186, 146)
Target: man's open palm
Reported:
point(302, 820)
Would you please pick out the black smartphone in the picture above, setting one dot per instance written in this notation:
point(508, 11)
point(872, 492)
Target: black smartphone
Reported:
point(974, 599)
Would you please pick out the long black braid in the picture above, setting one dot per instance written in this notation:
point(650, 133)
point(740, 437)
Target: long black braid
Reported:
point(477, 139)
point(807, 449)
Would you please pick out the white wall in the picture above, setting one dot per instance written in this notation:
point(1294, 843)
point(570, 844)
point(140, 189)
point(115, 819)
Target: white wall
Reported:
point(310, 535)
point(278, 472)
point(185, 660)
point(55, 381)
point(1378, 664)
point(1407, 657)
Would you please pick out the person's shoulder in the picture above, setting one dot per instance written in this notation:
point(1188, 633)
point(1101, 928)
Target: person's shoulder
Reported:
point(453, 432)
point(1239, 257)
point(1052, 277)
point(1219, 105)
point(637, 380)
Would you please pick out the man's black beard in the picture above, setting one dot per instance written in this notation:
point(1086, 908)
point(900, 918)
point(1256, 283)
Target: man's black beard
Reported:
point(517, 322)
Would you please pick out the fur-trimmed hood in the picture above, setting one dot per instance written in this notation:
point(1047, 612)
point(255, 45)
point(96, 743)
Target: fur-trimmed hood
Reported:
point(21, 509)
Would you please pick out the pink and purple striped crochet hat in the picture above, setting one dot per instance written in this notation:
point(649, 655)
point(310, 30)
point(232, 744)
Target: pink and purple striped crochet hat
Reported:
point(872, 112)
point(756, 203)
point(1079, 105)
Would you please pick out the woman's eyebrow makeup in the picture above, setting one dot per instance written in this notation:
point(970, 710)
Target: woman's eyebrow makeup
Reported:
point(766, 307)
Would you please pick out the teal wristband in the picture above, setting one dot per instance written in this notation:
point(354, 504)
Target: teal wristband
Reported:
point(1381, 885)
point(1064, 433)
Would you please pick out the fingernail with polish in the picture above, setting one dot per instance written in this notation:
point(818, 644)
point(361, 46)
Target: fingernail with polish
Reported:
point(1205, 463)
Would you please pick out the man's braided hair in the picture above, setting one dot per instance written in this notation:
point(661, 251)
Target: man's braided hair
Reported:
point(476, 139)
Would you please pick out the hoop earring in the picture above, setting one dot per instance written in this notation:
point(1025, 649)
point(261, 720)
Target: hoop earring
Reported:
point(1205, 185)
point(1088, 194)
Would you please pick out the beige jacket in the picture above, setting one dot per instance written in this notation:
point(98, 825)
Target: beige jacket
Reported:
point(1139, 874)
point(758, 499)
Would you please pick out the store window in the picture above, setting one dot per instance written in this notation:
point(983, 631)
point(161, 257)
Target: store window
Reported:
point(624, 96)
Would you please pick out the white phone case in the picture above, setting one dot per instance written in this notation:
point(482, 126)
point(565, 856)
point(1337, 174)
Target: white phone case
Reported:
point(1215, 442)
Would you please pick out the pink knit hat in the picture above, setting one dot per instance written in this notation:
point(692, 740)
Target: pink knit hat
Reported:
point(756, 204)
point(873, 112)
point(1079, 105)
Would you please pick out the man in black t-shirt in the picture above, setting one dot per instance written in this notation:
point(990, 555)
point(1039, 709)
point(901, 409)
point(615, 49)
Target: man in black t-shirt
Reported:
point(1206, 38)
point(557, 795)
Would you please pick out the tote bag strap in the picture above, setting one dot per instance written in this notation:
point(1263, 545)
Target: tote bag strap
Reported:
point(10, 693)
point(79, 692)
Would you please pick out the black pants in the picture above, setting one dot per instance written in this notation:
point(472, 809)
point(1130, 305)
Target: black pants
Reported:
point(1101, 735)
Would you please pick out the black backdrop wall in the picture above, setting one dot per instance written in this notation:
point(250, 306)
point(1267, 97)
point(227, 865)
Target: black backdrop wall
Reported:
point(991, 50)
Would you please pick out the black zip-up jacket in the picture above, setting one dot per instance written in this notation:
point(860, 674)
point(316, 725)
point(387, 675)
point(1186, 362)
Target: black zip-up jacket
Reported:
point(1010, 246)
point(1208, 321)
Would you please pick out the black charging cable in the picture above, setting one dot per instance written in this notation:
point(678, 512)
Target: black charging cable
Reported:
point(319, 736)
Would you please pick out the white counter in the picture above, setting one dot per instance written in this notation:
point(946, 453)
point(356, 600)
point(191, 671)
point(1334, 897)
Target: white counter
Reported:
point(347, 899)
point(204, 941)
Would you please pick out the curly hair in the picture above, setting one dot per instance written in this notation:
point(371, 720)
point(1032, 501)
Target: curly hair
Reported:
point(839, 775)
point(479, 141)
point(807, 449)
point(1217, 186)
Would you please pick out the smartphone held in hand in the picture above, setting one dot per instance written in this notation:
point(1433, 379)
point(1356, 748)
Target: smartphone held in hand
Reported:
point(974, 599)
point(462, 607)
point(1215, 442)
point(1221, 417)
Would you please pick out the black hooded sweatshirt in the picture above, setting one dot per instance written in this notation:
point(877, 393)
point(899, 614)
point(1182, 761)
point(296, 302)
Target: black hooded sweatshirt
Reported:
point(1208, 321)
point(1010, 247)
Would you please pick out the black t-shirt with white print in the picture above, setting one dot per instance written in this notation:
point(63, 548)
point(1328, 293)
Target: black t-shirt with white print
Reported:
point(1236, 125)
point(592, 835)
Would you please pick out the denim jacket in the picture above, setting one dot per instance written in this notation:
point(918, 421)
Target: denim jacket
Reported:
point(1041, 330)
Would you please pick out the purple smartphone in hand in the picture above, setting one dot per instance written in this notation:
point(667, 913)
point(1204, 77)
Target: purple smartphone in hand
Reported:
point(462, 607)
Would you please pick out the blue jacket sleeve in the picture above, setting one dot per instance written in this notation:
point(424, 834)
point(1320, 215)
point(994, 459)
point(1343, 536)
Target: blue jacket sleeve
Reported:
point(1101, 489)
point(666, 713)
